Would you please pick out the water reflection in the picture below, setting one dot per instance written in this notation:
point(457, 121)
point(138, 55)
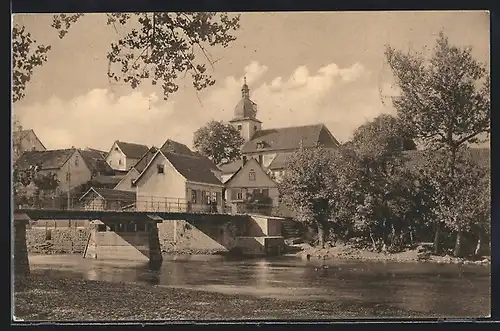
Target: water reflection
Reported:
point(443, 289)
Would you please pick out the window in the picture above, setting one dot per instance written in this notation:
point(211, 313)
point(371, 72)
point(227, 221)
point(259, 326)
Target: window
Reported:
point(76, 161)
point(239, 196)
point(141, 226)
point(265, 192)
point(116, 149)
point(193, 196)
point(255, 127)
point(239, 127)
point(161, 169)
point(101, 227)
point(251, 175)
point(120, 161)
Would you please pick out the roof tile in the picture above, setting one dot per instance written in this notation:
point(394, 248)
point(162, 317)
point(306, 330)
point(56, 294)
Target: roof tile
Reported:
point(288, 138)
point(131, 150)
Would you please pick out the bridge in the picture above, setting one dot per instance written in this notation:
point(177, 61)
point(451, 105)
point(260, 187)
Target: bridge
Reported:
point(131, 221)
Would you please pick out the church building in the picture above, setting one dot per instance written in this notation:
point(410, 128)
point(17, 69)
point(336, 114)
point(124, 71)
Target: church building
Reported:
point(270, 148)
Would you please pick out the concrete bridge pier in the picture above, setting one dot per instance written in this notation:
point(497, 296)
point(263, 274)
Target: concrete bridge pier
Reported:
point(124, 240)
point(20, 252)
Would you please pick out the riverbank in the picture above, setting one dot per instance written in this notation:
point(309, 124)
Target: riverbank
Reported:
point(344, 252)
point(42, 298)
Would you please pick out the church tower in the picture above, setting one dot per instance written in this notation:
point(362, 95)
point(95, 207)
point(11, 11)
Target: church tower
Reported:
point(245, 112)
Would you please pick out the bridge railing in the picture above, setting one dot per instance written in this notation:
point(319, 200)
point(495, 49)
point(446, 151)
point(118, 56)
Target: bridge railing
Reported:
point(143, 204)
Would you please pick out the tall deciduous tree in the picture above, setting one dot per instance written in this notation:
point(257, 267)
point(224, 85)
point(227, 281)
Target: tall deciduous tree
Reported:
point(159, 47)
point(382, 185)
point(218, 141)
point(309, 187)
point(444, 99)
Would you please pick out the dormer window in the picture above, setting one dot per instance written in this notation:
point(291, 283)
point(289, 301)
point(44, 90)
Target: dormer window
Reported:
point(260, 145)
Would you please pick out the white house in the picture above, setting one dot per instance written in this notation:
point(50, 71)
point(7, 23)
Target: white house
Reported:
point(122, 156)
point(127, 182)
point(176, 182)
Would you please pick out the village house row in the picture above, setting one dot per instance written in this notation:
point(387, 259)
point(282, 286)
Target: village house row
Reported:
point(132, 172)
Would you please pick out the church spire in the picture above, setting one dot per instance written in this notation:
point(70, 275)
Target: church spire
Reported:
point(245, 91)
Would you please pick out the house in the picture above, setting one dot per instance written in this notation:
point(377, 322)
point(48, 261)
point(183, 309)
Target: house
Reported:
point(123, 155)
point(107, 199)
point(179, 182)
point(127, 181)
point(25, 140)
point(252, 183)
point(271, 147)
point(97, 163)
point(69, 165)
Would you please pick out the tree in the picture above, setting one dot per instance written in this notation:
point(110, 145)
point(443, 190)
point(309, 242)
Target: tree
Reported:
point(445, 100)
point(218, 141)
point(25, 58)
point(381, 181)
point(459, 202)
point(309, 186)
point(160, 46)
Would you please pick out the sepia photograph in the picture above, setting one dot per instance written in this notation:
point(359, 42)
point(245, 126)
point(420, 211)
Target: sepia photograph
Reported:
point(253, 166)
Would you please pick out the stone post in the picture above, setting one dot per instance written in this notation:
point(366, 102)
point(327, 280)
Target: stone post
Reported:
point(20, 253)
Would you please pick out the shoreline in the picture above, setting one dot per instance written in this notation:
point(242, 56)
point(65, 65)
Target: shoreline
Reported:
point(347, 253)
point(336, 253)
point(43, 298)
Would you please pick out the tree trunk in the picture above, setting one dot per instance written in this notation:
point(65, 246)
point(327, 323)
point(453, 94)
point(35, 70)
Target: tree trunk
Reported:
point(374, 245)
point(321, 234)
point(458, 245)
point(479, 246)
point(437, 239)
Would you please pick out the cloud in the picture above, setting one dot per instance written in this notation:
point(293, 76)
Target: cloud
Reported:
point(342, 98)
point(95, 119)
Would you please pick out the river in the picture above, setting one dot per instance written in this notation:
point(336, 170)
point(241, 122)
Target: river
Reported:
point(444, 289)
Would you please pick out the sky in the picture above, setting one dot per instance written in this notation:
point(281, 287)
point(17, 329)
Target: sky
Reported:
point(301, 67)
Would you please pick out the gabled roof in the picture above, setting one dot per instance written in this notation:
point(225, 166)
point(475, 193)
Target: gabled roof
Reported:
point(132, 150)
point(110, 194)
point(172, 146)
point(96, 162)
point(19, 135)
point(103, 153)
point(192, 168)
point(144, 160)
point(51, 159)
point(290, 138)
point(232, 167)
point(250, 163)
point(280, 161)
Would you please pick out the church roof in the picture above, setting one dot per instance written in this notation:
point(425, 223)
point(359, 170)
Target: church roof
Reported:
point(290, 138)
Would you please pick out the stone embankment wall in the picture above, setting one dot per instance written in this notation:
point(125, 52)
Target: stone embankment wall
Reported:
point(56, 241)
point(203, 237)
